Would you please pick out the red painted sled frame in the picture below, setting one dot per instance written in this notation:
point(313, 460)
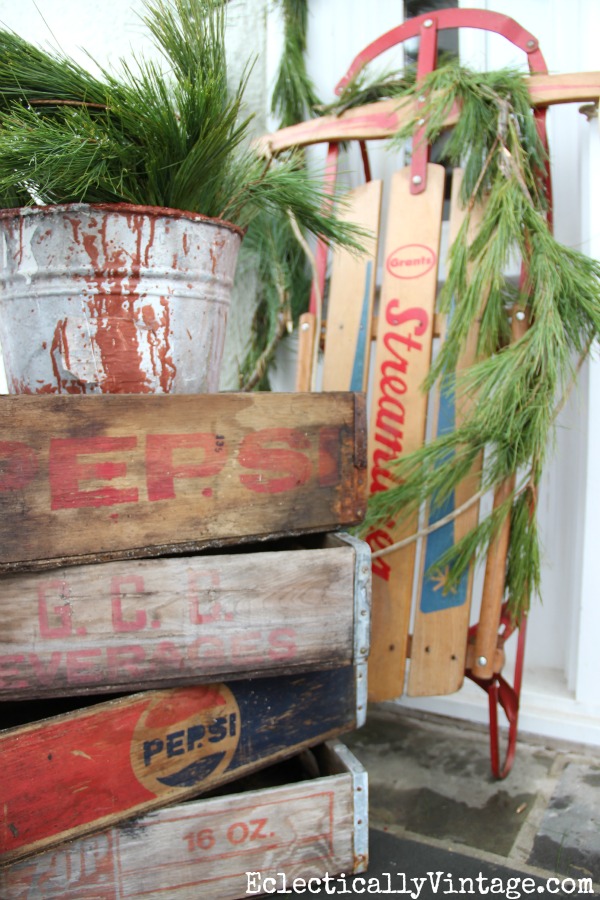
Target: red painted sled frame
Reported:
point(486, 639)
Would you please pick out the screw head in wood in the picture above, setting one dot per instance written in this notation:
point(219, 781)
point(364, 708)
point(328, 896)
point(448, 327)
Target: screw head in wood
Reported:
point(427, 23)
point(482, 660)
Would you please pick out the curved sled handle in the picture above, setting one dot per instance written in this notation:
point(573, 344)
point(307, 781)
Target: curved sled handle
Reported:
point(451, 18)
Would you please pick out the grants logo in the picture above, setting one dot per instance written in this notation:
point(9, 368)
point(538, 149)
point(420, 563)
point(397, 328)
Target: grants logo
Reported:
point(185, 736)
point(411, 261)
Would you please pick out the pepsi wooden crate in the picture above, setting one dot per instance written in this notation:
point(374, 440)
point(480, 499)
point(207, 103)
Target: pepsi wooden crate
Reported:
point(136, 624)
point(95, 478)
point(229, 846)
point(85, 770)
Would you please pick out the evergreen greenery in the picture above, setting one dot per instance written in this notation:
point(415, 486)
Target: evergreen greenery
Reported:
point(294, 97)
point(169, 135)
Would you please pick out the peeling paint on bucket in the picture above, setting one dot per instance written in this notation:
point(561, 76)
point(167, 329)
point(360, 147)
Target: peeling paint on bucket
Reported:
point(114, 299)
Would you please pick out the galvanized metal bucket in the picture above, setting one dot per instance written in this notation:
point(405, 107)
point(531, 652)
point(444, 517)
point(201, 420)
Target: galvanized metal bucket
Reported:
point(114, 298)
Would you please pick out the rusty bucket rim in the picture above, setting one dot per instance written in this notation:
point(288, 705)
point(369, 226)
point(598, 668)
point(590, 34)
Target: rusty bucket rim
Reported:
point(126, 209)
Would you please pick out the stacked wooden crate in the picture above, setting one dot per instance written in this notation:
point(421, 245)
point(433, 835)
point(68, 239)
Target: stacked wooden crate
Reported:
point(134, 557)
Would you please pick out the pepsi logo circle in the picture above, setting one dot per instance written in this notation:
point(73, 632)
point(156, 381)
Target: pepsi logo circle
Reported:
point(411, 261)
point(184, 737)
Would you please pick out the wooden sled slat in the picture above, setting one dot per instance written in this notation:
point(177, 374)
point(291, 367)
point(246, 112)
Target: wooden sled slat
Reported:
point(352, 291)
point(439, 643)
point(398, 405)
point(307, 336)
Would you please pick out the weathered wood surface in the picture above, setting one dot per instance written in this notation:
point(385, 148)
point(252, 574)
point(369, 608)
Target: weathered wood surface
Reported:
point(399, 406)
point(157, 622)
point(441, 620)
point(351, 297)
point(383, 119)
point(204, 848)
point(84, 771)
point(101, 477)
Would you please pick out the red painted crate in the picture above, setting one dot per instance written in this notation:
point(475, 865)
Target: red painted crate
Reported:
point(222, 847)
point(85, 770)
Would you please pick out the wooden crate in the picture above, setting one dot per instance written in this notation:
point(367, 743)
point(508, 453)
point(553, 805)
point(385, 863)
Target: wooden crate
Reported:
point(137, 624)
point(89, 478)
point(205, 848)
point(83, 771)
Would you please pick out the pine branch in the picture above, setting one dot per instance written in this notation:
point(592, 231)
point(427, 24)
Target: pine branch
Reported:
point(294, 96)
point(172, 135)
point(511, 390)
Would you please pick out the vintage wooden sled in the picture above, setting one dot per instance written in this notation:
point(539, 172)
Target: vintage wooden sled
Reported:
point(425, 626)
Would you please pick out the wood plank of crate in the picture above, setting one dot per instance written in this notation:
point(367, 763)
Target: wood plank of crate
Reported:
point(102, 477)
point(207, 847)
point(84, 771)
point(138, 624)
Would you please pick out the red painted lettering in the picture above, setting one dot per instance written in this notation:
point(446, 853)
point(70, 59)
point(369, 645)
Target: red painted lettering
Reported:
point(391, 369)
point(78, 666)
point(246, 646)
point(18, 465)
point(256, 452)
point(330, 447)
point(126, 659)
point(65, 472)
point(381, 477)
point(391, 412)
point(377, 540)
point(168, 657)
point(282, 643)
point(389, 339)
point(116, 597)
point(10, 671)
point(200, 585)
point(63, 625)
point(45, 673)
point(259, 829)
point(413, 313)
point(208, 646)
point(160, 467)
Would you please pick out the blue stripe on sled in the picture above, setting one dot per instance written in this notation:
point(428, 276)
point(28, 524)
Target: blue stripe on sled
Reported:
point(358, 369)
point(433, 597)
